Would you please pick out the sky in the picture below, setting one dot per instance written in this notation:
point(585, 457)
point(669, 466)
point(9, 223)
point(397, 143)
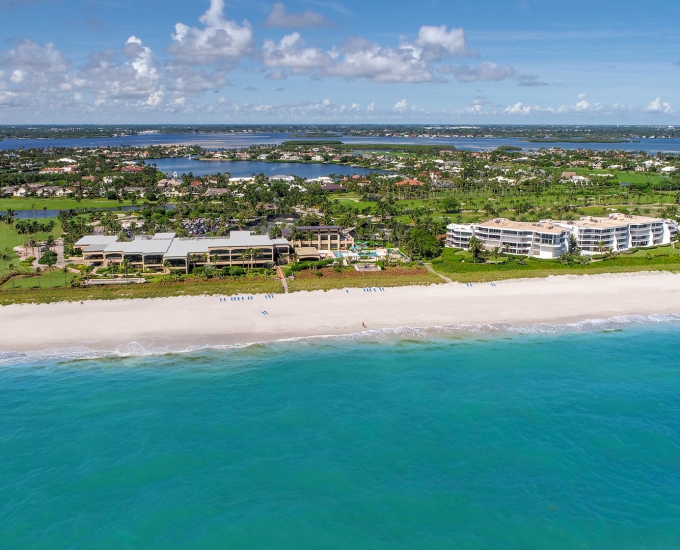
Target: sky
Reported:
point(442, 62)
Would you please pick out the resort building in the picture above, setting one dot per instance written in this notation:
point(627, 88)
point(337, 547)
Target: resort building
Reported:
point(150, 252)
point(322, 237)
point(541, 240)
point(619, 232)
point(550, 239)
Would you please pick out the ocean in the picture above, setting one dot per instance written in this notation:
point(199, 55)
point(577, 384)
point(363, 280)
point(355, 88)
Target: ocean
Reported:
point(545, 438)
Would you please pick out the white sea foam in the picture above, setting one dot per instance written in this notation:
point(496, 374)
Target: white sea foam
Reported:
point(136, 349)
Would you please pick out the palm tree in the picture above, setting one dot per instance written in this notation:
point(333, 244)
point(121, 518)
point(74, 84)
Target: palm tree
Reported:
point(64, 270)
point(50, 242)
point(10, 268)
point(166, 268)
point(254, 253)
point(475, 247)
point(9, 217)
point(573, 244)
point(126, 268)
point(6, 255)
point(245, 255)
point(194, 259)
point(600, 247)
point(50, 260)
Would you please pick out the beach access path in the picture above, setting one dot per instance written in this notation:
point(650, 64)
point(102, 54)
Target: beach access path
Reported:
point(181, 322)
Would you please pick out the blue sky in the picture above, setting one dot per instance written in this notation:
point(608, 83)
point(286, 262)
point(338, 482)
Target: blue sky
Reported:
point(340, 61)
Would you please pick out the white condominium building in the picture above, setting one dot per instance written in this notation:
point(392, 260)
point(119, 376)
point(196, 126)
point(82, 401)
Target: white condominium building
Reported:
point(619, 232)
point(550, 239)
point(542, 239)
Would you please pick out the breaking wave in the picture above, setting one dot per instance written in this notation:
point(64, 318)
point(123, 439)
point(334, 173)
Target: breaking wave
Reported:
point(137, 349)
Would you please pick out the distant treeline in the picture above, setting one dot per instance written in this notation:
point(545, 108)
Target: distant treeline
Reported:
point(577, 140)
point(548, 134)
point(348, 147)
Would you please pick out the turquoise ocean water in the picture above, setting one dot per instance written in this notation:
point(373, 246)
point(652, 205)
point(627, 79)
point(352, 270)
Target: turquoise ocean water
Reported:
point(567, 440)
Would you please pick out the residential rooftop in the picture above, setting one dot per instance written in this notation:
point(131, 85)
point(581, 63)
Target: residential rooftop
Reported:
point(502, 223)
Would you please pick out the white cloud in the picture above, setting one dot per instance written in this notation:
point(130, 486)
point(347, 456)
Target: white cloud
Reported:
point(219, 42)
point(133, 76)
point(363, 59)
point(400, 106)
point(517, 109)
point(437, 42)
point(35, 61)
point(289, 53)
point(657, 106)
point(412, 62)
point(17, 76)
point(370, 107)
point(280, 19)
point(277, 75)
point(530, 80)
point(487, 71)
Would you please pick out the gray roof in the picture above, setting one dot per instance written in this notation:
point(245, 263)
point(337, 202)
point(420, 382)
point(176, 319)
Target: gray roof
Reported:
point(181, 248)
point(244, 238)
point(88, 240)
point(95, 248)
point(140, 246)
point(172, 247)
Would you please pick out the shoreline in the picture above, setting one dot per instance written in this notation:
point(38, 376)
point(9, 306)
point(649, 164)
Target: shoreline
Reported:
point(185, 322)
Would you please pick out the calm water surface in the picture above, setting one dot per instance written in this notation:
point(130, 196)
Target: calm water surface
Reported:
point(238, 169)
point(233, 141)
point(567, 441)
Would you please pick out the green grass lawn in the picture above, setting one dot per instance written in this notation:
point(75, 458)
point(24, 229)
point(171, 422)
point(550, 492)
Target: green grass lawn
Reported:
point(19, 203)
point(9, 238)
point(628, 176)
point(368, 281)
point(458, 266)
point(192, 288)
point(54, 279)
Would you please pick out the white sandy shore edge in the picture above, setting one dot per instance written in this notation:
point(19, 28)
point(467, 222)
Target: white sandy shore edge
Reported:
point(181, 322)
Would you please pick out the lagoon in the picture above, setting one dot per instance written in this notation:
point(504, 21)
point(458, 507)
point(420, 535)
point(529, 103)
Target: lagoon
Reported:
point(233, 141)
point(238, 169)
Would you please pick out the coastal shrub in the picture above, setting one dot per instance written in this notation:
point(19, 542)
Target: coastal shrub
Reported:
point(301, 266)
point(236, 271)
point(48, 257)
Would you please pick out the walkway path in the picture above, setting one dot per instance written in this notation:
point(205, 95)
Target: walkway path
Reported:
point(431, 270)
point(279, 271)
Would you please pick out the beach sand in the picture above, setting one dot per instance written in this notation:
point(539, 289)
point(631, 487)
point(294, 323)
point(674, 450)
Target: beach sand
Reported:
point(182, 322)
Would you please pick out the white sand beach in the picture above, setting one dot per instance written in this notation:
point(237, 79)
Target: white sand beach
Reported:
point(176, 323)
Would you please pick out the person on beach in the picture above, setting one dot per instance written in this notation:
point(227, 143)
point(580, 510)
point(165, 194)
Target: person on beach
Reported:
point(363, 324)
